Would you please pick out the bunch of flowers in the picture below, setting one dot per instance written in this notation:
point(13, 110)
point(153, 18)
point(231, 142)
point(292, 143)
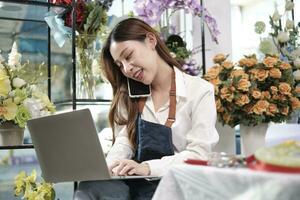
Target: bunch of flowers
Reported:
point(27, 187)
point(91, 19)
point(19, 99)
point(253, 92)
point(151, 12)
point(283, 40)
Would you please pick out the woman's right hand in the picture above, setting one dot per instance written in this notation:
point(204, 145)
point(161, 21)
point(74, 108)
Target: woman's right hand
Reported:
point(129, 167)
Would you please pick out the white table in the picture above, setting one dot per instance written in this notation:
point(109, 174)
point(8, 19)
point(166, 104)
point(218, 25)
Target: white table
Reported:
point(188, 182)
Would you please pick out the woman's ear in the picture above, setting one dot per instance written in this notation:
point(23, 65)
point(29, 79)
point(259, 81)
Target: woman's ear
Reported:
point(151, 40)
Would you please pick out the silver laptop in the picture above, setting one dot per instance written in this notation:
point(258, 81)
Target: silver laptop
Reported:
point(68, 148)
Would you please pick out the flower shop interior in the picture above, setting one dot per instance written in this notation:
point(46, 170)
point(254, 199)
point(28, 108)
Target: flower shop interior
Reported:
point(247, 49)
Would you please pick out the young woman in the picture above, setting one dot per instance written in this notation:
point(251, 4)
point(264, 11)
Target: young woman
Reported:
point(153, 133)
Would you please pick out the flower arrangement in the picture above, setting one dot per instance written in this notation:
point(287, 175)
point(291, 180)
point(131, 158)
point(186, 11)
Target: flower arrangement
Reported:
point(283, 40)
point(252, 92)
point(27, 187)
point(91, 19)
point(19, 99)
point(151, 11)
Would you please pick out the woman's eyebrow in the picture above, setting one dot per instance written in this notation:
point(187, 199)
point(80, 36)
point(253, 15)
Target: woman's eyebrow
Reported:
point(121, 54)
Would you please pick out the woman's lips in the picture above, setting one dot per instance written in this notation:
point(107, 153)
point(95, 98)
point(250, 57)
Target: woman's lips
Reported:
point(138, 75)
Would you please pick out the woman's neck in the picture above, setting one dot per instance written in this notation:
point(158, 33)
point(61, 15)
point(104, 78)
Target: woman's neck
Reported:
point(162, 80)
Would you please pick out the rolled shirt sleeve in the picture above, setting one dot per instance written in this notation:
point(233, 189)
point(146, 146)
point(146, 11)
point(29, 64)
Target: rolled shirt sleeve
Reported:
point(121, 149)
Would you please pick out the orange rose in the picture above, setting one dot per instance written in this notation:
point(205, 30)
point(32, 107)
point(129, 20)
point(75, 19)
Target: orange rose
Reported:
point(284, 88)
point(239, 72)
point(243, 85)
point(274, 89)
point(227, 65)
point(272, 109)
point(265, 95)
point(275, 73)
point(215, 81)
point(261, 74)
point(285, 110)
point(242, 100)
point(248, 62)
point(212, 72)
point(256, 94)
point(295, 103)
point(260, 107)
point(270, 61)
point(285, 66)
point(226, 94)
point(219, 58)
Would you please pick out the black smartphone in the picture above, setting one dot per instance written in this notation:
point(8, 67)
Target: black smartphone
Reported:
point(137, 89)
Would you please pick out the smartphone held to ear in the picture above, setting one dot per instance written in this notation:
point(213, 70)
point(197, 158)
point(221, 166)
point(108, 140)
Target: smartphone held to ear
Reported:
point(137, 89)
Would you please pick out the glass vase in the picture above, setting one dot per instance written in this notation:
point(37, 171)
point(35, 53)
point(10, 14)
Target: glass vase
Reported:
point(87, 66)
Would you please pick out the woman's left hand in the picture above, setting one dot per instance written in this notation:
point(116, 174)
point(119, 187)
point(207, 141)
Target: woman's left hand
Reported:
point(129, 167)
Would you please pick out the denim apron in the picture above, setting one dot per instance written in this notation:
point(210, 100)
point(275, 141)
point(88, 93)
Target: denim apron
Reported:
point(155, 140)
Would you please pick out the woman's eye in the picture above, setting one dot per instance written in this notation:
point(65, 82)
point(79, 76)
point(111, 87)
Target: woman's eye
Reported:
point(129, 56)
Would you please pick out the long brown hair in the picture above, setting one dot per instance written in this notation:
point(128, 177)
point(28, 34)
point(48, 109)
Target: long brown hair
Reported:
point(128, 29)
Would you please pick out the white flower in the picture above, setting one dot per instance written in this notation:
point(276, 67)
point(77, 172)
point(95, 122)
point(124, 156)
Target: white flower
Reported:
point(14, 57)
point(297, 62)
point(289, 5)
point(267, 46)
point(18, 82)
point(283, 37)
point(289, 24)
point(297, 75)
point(34, 106)
point(276, 16)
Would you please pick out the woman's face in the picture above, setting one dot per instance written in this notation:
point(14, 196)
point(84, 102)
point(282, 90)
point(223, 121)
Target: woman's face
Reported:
point(137, 60)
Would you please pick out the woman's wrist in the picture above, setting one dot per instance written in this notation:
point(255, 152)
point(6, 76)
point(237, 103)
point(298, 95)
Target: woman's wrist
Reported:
point(147, 168)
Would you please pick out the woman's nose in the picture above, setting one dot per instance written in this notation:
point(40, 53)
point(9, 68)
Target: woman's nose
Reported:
point(127, 67)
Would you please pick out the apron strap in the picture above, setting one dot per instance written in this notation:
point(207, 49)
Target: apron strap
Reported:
point(172, 106)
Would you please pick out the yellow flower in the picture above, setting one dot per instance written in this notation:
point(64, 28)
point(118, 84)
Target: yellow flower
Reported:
point(19, 183)
point(5, 86)
point(11, 110)
point(45, 100)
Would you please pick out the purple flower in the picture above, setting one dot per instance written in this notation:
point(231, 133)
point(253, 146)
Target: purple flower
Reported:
point(151, 10)
point(190, 67)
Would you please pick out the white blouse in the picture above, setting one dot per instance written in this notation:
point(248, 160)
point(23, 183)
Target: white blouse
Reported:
point(193, 132)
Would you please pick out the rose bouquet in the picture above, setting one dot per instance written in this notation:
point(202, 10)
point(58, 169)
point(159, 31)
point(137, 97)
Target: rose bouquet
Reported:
point(19, 99)
point(253, 92)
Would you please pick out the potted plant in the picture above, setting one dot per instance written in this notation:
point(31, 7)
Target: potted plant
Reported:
point(252, 93)
point(19, 100)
